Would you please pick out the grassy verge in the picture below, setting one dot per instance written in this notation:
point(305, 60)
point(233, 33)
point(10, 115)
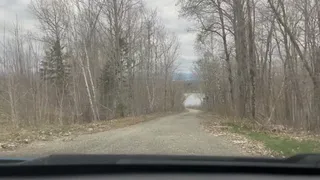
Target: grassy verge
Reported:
point(280, 144)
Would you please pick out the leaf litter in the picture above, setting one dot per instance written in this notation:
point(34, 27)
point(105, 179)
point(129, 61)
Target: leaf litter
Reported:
point(12, 138)
point(214, 125)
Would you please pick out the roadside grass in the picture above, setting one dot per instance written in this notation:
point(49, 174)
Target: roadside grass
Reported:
point(280, 144)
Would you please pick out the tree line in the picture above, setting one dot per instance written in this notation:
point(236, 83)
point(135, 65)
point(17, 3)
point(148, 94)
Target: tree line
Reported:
point(259, 59)
point(88, 60)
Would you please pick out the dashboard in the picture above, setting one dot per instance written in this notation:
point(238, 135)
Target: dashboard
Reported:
point(124, 167)
point(174, 177)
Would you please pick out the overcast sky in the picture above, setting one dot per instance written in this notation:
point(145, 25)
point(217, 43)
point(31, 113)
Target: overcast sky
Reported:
point(12, 9)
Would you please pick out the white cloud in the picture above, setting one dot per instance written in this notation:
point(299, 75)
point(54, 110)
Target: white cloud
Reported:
point(169, 14)
point(10, 10)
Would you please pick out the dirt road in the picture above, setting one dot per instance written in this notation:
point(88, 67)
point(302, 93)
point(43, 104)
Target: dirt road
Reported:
point(176, 134)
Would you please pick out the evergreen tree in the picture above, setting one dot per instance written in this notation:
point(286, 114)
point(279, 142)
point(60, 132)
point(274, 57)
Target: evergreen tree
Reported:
point(54, 67)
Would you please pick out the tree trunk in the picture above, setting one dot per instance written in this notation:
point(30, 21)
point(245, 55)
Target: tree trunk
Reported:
point(227, 54)
point(241, 51)
point(252, 58)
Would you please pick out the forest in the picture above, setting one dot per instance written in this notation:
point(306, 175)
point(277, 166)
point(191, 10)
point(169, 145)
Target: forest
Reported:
point(87, 60)
point(259, 59)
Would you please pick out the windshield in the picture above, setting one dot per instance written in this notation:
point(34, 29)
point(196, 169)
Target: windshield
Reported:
point(169, 77)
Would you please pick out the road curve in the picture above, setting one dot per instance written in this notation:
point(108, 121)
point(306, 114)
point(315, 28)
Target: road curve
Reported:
point(179, 134)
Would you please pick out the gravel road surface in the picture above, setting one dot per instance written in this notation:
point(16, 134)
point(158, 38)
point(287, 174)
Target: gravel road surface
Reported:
point(179, 134)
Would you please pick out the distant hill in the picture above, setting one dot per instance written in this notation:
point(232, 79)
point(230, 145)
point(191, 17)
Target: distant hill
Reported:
point(185, 76)
point(191, 81)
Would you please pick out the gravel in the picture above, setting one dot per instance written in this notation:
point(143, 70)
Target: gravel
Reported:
point(179, 134)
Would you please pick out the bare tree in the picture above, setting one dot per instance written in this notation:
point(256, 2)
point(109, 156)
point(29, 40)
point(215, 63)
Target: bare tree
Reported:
point(92, 60)
point(273, 50)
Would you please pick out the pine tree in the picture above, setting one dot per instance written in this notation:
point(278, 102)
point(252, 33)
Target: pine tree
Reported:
point(114, 79)
point(54, 67)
